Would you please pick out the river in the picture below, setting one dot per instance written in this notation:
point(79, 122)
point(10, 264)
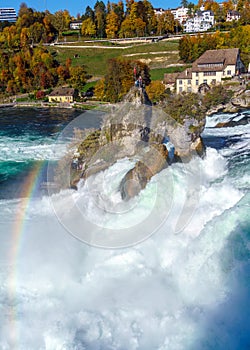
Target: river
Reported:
point(185, 285)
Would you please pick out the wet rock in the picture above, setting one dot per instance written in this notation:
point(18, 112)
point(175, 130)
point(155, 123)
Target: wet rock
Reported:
point(137, 178)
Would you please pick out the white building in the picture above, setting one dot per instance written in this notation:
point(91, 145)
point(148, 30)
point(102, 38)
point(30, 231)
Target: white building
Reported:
point(75, 25)
point(159, 11)
point(180, 14)
point(8, 14)
point(232, 16)
point(201, 22)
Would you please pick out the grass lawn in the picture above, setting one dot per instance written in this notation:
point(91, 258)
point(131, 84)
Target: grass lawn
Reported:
point(156, 55)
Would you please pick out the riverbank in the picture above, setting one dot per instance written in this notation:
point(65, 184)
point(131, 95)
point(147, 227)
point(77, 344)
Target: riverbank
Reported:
point(40, 104)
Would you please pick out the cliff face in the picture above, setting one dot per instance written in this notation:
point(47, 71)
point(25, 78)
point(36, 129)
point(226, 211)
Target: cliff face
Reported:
point(135, 128)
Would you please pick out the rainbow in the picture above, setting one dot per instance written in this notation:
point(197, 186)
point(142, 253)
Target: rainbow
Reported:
point(29, 188)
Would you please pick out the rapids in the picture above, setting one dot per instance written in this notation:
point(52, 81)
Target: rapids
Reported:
point(185, 285)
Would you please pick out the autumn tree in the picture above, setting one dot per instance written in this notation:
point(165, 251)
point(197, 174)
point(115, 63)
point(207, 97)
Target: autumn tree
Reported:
point(119, 11)
point(127, 28)
point(88, 28)
point(155, 91)
point(120, 78)
point(100, 90)
point(166, 23)
point(60, 21)
point(245, 13)
point(77, 77)
point(112, 25)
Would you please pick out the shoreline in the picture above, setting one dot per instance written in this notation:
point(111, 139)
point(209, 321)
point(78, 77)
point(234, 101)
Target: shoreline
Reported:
point(77, 105)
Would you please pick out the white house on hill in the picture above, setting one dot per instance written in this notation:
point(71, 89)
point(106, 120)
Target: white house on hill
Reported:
point(201, 22)
point(180, 14)
point(210, 69)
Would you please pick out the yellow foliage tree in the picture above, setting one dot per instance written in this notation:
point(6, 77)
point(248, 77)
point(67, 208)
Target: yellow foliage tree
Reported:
point(112, 24)
point(100, 90)
point(88, 27)
point(155, 91)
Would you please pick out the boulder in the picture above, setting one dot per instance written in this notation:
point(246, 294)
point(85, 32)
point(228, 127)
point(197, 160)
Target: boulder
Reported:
point(136, 179)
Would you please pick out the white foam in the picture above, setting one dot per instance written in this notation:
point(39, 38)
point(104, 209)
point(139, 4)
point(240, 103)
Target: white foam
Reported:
point(165, 293)
point(23, 149)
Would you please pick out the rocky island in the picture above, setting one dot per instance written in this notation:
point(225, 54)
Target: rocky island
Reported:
point(138, 130)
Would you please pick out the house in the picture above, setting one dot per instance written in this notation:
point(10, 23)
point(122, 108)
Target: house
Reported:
point(159, 11)
point(210, 69)
point(232, 15)
point(75, 25)
point(180, 14)
point(169, 80)
point(201, 22)
point(62, 94)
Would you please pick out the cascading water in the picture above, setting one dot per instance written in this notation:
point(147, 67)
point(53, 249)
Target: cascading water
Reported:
point(177, 289)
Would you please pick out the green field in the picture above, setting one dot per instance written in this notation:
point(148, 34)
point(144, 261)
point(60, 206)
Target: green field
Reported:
point(156, 55)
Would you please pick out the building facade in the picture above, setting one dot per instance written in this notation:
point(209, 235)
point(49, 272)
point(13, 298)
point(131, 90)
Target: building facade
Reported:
point(232, 16)
point(210, 69)
point(201, 22)
point(8, 14)
point(180, 14)
point(76, 25)
point(63, 94)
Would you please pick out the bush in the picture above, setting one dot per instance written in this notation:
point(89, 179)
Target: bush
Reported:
point(217, 95)
point(40, 94)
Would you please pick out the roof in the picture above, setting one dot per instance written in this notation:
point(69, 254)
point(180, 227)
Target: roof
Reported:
point(220, 58)
point(233, 12)
point(186, 74)
point(62, 91)
point(169, 78)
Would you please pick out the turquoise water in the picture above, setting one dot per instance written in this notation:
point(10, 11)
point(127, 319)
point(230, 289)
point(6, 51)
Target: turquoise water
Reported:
point(176, 290)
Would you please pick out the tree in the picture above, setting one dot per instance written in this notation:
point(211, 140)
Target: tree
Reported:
point(139, 27)
point(77, 77)
point(119, 10)
point(88, 28)
point(100, 18)
point(112, 24)
point(60, 21)
point(155, 91)
point(100, 90)
point(166, 23)
point(127, 28)
point(120, 78)
point(89, 13)
point(184, 3)
point(245, 14)
point(149, 17)
point(36, 32)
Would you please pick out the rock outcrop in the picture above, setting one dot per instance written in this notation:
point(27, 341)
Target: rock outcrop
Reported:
point(135, 128)
point(240, 100)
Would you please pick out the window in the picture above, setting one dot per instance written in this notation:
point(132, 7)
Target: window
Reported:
point(228, 72)
point(213, 81)
point(180, 89)
point(189, 89)
point(189, 82)
point(197, 74)
point(209, 73)
point(204, 81)
point(180, 82)
point(196, 82)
